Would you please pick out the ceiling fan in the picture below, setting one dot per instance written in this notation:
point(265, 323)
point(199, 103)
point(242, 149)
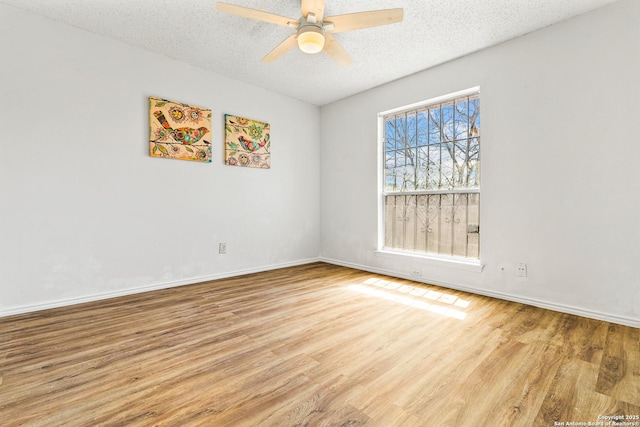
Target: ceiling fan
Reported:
point(314, 31)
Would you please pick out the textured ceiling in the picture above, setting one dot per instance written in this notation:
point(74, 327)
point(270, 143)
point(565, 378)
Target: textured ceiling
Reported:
point(193, 31)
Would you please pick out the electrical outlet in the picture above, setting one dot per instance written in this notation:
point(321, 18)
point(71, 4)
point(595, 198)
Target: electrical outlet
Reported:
point(416, 272)
point(222, 248)
point(521, 269)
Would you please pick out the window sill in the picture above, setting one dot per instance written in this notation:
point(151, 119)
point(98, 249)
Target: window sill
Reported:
point(432, 260)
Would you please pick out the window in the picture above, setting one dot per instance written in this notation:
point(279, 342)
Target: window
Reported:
point(431, 177)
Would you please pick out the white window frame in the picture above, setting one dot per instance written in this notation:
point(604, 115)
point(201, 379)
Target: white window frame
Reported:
point(424, 258)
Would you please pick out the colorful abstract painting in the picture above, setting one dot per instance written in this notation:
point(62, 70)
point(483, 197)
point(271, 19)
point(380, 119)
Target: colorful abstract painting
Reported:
point(179, 131)
point(247, 142)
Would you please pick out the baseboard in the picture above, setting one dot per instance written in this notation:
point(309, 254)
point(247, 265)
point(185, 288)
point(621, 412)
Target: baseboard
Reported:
point(147, 288)
point(607, 317)
point(627, 321)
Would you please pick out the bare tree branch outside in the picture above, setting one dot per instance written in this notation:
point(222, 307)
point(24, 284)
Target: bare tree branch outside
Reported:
point(432, 178)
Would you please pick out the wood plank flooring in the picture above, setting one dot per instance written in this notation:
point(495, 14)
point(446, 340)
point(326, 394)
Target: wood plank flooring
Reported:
point(314, 345)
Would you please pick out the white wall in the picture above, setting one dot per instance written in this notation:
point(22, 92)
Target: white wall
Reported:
point(85, 212)
point(560, 158)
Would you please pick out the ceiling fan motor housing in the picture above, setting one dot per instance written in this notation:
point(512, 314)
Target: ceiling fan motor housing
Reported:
point(310, 38)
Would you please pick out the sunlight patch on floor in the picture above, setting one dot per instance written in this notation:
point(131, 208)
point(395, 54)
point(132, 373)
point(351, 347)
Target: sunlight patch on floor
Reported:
point(414, 296)
point(419, 291)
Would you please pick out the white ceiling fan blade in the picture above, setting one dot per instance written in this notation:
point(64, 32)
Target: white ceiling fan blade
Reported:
point(284, 47)
point(256, 14)
point(356, 21)
point(335, 50)
point(313, 6)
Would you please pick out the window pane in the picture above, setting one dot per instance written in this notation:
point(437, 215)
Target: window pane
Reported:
point(474, 116)
point(400, 158)
point(459, 225)
point(389, 134)
point(421, 224)
point(433, 171)
point(423, 127)
point(389, 171)
point(399, 131)
point(390, 159)
point(474, 162)
point(403, 169)
point(389, 214)
point(447, 122)
point(473, 222)
point(422, 168)
point(411, 129)
point(433, 220)
point(461, 123)
point(434, 126)
point(407, 179)
point(390, 179)
point(410, 223)
point(461, 164)
point(474, 148)
point(446, 165)
point(446, 224)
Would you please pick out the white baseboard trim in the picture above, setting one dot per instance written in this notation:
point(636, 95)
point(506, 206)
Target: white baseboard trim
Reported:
point(607, 317)
point(147, 288)
point(627, 321)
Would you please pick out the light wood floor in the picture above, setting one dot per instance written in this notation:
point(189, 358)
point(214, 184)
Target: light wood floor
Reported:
point(313, 345)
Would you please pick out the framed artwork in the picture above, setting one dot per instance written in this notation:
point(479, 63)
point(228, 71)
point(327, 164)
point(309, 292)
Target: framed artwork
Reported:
point(179, 131)
point(247, 142)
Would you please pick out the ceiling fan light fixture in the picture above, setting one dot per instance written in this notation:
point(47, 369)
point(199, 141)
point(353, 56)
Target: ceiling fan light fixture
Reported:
point(310, 39)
